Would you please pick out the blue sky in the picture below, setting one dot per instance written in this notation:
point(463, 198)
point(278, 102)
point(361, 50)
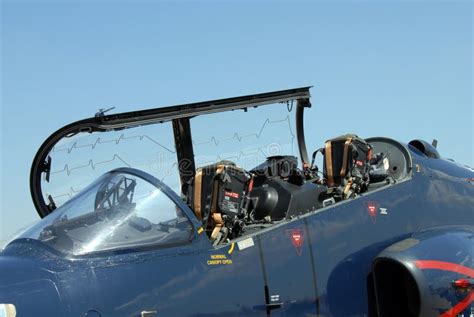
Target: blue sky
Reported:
point(379, 68)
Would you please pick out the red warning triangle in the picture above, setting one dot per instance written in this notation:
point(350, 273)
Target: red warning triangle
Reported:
point(297, 239)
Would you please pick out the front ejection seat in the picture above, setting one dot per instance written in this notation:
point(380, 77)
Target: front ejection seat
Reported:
point(217, 190)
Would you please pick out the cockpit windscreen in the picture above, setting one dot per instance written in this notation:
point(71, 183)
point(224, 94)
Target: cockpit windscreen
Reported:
point(119, 210)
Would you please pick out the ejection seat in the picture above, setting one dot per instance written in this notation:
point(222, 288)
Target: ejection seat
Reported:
point(202, 198)
point(346, 165)
point(217, 190)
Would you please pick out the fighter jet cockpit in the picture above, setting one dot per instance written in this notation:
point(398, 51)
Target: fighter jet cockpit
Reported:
point(228, 168)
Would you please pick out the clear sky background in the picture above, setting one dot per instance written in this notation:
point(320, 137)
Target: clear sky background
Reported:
point(379, 68)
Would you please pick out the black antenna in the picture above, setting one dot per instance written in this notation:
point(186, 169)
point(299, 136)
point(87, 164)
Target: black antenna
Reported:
point(434, 143)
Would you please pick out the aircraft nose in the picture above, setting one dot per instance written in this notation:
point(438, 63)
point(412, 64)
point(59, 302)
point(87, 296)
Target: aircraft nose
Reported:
point(30, 288)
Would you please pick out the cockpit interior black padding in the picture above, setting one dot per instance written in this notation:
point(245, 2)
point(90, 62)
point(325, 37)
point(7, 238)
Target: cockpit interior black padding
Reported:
point(279, 199)
point(279, 165)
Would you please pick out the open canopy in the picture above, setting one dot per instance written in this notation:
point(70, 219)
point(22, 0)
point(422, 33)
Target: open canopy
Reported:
point(176, 121)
